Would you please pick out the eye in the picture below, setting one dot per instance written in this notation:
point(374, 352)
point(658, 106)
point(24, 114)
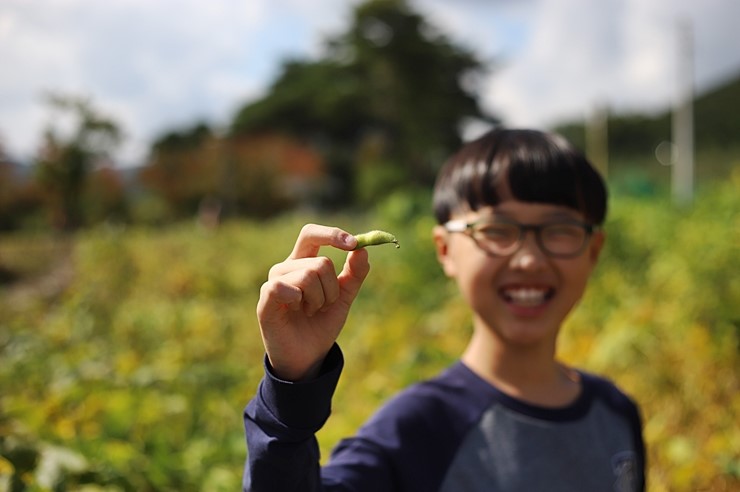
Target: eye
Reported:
point(500, 233)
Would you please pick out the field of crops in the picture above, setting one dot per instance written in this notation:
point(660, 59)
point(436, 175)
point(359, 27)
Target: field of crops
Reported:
point(128, 354)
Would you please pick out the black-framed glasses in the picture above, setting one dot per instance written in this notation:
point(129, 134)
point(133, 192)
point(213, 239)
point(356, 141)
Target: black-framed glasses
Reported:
point(501, 237)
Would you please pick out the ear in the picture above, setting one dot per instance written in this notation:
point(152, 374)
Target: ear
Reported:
point(596, 245)
point(441, 244)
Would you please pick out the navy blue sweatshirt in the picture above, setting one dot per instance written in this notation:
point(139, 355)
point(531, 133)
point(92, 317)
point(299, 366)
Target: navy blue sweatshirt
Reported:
point(455, 432)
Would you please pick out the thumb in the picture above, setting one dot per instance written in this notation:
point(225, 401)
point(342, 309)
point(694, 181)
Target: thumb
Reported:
point(353, 274)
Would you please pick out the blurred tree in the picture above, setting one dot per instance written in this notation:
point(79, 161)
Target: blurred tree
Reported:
point(259, 174)
point(21, 199)
point(105, 195)
point(384, 106)
point(65, 162)
point(268, 173)
point(8, 185)
point(184, 169)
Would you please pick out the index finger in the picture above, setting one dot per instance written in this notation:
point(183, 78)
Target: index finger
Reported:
point(313, 236)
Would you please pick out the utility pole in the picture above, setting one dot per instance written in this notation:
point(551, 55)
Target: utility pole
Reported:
point(683, 118)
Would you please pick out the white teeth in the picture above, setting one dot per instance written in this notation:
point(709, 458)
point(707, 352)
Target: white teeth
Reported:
point(526, 296)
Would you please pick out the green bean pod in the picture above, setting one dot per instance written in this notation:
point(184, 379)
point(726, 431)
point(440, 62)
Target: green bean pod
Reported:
point(374, 238)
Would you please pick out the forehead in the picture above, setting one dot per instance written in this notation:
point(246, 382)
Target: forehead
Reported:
point(526, 212)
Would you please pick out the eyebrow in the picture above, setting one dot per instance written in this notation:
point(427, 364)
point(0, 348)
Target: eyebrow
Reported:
point(561, 215)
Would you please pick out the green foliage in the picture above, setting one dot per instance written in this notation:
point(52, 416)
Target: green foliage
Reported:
point(661, 317)
point(135, 375)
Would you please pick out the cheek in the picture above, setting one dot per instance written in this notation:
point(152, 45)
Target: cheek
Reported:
point(578, 275)
point(476, 280)
point(460, 257)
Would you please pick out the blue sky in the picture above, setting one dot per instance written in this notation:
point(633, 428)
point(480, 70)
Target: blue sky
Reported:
point(158, 65)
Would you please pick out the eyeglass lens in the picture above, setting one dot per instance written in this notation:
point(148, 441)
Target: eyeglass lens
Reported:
point(556, 239)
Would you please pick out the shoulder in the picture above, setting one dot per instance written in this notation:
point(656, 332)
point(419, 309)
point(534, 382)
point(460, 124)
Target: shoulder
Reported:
point(414, 437)
point(606, 391)
point(456, 390)
point(454, 400)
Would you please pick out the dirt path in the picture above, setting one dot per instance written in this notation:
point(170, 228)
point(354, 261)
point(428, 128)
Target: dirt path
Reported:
point(19, 291)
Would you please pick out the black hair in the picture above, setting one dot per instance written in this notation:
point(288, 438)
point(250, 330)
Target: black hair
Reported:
point(526, 165)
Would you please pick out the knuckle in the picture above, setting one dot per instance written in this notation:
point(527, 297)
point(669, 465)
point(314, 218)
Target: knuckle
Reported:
point(272, 273)
point(307, 229)
point(324, 264)
point(269, 289)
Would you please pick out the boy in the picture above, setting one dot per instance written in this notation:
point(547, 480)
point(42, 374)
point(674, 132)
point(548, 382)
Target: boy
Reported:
point(519, 215)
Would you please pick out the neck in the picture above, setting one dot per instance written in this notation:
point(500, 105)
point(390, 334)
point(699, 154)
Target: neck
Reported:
point(526, 372)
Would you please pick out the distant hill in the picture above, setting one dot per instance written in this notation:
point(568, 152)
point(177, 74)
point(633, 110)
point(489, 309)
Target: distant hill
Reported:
point(716, 124)
point(717, 115)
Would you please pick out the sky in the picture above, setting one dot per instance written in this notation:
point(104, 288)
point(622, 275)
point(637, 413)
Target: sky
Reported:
point(155, 66)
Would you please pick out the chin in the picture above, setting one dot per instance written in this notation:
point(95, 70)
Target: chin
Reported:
point(527, 334)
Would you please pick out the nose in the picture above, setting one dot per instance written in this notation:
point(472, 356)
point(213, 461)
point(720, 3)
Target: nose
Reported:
point(528, 256)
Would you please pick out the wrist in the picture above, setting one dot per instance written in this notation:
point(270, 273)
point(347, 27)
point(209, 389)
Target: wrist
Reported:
point(325, 364)
point(303, 404)
point(293, 375)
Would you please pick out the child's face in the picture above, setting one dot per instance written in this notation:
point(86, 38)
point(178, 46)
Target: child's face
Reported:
point(523, 297)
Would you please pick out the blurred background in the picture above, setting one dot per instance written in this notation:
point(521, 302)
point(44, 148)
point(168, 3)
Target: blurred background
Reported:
point(156, 158)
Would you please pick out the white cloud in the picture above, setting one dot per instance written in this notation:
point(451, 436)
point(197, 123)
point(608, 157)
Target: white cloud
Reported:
point(153, 65)
point(619, 53)
point(158, 65)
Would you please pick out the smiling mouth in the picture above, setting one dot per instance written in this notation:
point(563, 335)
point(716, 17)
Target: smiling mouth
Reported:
point(527, 296)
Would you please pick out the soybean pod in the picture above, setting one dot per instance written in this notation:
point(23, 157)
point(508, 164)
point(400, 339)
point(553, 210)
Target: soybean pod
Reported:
point(374, 238)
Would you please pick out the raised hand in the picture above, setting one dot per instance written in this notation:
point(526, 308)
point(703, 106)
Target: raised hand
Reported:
point(303, 305)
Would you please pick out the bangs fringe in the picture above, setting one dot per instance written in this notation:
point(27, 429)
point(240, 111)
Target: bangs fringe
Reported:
point(525, 165)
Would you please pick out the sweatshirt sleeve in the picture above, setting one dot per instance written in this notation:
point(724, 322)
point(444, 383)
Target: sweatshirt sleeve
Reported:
point(280, 424)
